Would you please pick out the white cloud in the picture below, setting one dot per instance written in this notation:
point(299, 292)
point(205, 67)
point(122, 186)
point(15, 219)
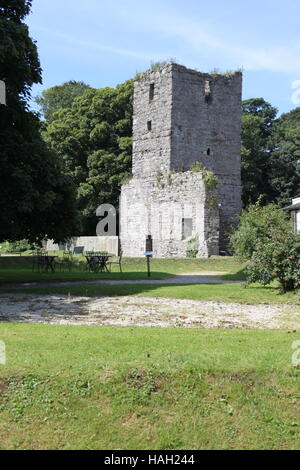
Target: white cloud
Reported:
point(192, 38)
point(197, 38)
point(264, 57)
point(94, 45)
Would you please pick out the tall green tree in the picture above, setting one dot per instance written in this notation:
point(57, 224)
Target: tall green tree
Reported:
point(258, 119)
point(285, 158)
point(93, 139)
point(36, 199)
point(58, 97)
point(270, 153)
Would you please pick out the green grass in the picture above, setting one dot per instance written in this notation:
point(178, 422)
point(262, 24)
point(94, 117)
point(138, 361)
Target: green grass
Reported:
point(238, 293)
point(18, 269)
point(134, 269)
point(12, 276)
point(69, 387)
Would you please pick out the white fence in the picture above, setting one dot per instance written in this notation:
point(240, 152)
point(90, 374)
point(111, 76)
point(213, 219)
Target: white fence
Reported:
point(109, 244)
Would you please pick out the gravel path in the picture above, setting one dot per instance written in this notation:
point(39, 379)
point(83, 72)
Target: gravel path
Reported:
point(144, 311)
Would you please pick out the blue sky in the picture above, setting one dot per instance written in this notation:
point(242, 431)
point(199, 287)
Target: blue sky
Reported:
point(106, 42)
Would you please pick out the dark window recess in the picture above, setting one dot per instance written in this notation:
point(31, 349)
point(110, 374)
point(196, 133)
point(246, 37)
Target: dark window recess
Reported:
point(149, 125)
point(207, 91)
point(208, 151)
point(151, 92)
point(187, 228)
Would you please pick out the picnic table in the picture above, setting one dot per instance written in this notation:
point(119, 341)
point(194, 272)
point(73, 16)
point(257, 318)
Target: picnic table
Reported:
point(97, 261)
point(49, 260)
point(44, 262)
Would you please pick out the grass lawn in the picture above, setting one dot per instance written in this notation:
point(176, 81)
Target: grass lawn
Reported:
point(19, 269)
point(216, 292)
point(147, 388)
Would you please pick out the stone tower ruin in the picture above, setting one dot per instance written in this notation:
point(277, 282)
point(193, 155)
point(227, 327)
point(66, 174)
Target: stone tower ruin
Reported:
point(185, 189)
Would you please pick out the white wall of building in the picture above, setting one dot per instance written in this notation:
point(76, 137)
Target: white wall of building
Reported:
point(109, 244)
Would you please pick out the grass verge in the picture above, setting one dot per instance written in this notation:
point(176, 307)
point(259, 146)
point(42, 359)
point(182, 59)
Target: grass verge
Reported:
point(237, 292)
point(19, 269)
point(134, 388)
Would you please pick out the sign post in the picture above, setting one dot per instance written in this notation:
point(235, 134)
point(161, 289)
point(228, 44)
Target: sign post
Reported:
point(149, 253)
point(2, 93)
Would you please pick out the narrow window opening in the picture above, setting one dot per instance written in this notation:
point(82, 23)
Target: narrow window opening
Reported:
point(208, 151)
point(187, 228)
point(207, 91)
point(151, 92)
point(149, 126)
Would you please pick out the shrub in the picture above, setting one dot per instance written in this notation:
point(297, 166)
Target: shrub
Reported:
point(19, 245)
point(192, 247)
point(278, 259)
point(258, 224)
point(265, 238)
point(4, 247)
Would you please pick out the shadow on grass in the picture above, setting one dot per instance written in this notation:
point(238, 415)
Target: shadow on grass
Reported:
point(21, 276)
point(235, 293)
point(103, 279)
point(238, 276)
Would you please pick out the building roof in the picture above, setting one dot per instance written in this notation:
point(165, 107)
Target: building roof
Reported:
point(292, 207)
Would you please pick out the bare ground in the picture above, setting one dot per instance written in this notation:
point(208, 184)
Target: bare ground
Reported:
point(144, 311)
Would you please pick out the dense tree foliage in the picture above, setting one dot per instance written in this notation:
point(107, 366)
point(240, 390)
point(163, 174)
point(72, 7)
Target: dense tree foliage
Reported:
point(35, 196)
point(270, 153)
point(93, 140)
point(257, 122)
point(284, 173)
point(19, 62)
point(59, 97)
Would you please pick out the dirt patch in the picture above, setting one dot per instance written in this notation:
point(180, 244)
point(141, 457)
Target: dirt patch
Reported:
point(139, 378)
point(4, 385)
point(144, 311)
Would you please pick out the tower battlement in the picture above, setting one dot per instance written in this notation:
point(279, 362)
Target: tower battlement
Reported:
point(182, 116)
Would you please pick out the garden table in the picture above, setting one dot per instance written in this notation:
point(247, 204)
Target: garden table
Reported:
point(46, 262)
point(97, 261)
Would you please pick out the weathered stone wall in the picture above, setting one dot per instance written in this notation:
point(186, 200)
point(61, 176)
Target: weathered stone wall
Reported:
point(206, 127)
point(158, 205)
point(181, 117)
point(109, 244)
point(152, 149)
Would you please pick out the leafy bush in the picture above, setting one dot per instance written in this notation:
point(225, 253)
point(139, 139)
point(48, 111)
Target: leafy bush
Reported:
point(266, 240)
point(258, 224)
point(4, 247)
point(278, 259)
point(20, 245)
point(192, 247)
